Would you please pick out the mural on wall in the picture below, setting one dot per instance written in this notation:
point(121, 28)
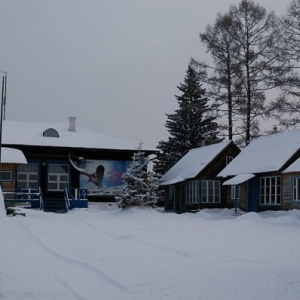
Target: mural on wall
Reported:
point(100, 177)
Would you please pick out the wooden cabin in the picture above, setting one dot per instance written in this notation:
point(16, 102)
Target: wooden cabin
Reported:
point(192, 183)
point(264, 176)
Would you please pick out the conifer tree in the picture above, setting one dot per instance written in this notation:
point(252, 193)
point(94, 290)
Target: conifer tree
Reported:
point(190, 126)
point(140, 184)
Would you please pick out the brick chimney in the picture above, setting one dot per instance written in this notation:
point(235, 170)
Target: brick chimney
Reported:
point(72, 124)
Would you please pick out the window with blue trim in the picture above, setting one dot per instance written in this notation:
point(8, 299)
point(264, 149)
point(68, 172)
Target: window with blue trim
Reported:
point(296, 189)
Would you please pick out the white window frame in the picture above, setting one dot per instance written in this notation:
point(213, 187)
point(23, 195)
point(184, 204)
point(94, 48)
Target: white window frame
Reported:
point(236, 192)
point(31, 173)
point(56, 181)
point(270, 188)
point(210, 191)
point(6, 178)
point(229, 159)
point(296, 188)
point(192, 192)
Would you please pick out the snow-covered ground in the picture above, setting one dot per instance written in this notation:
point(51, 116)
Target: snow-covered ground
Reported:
point(105, 253)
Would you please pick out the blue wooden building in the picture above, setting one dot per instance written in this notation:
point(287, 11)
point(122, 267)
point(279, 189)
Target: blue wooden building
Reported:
point(266, 174)
point(67, 162)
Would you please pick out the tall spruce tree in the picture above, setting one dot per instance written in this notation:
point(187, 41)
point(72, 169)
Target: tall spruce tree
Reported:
point(190, 126)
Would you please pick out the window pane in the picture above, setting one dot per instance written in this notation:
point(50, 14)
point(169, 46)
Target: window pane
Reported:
point(238, 191)
point(22, 185)
point(52, 186)
point(21, 177)
point(6, 175)
point(270, 190)
point(30, 167)
point(27, 176)
point(62, 186)
point(233, 192)
point(58, 177)
point(63, 177)
point(33, 177)
point(192, 191)
point(228, 159)
point(52, 177)
point(210, 191)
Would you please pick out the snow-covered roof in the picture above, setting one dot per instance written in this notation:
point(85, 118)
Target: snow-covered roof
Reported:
point(12, 156)
point(173, 181)
point(192, 163)
point(238, 179)
point(294, 167)
point(264, 154)
point(31, 133)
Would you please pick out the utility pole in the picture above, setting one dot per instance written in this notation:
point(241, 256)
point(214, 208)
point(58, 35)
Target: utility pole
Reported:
point(2, 114)
point(2, 109)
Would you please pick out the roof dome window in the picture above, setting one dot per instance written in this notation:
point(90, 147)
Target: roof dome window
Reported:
point(51, 132)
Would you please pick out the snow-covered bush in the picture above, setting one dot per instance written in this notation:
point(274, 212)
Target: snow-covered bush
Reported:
point(140, 184)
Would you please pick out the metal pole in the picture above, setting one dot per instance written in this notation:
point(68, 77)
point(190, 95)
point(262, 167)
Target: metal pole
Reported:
point(3, 101)
point(1, 114)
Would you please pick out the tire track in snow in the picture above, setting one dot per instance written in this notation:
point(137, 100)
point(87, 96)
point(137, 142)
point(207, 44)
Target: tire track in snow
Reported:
point(111, 281)
point(65, 284)
point(178, 252)
point(136, 239)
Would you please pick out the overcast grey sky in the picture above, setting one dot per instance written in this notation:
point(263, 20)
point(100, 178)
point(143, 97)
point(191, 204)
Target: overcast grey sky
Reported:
point(114, 64)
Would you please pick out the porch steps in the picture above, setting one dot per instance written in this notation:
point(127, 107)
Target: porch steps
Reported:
point(57, 205)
